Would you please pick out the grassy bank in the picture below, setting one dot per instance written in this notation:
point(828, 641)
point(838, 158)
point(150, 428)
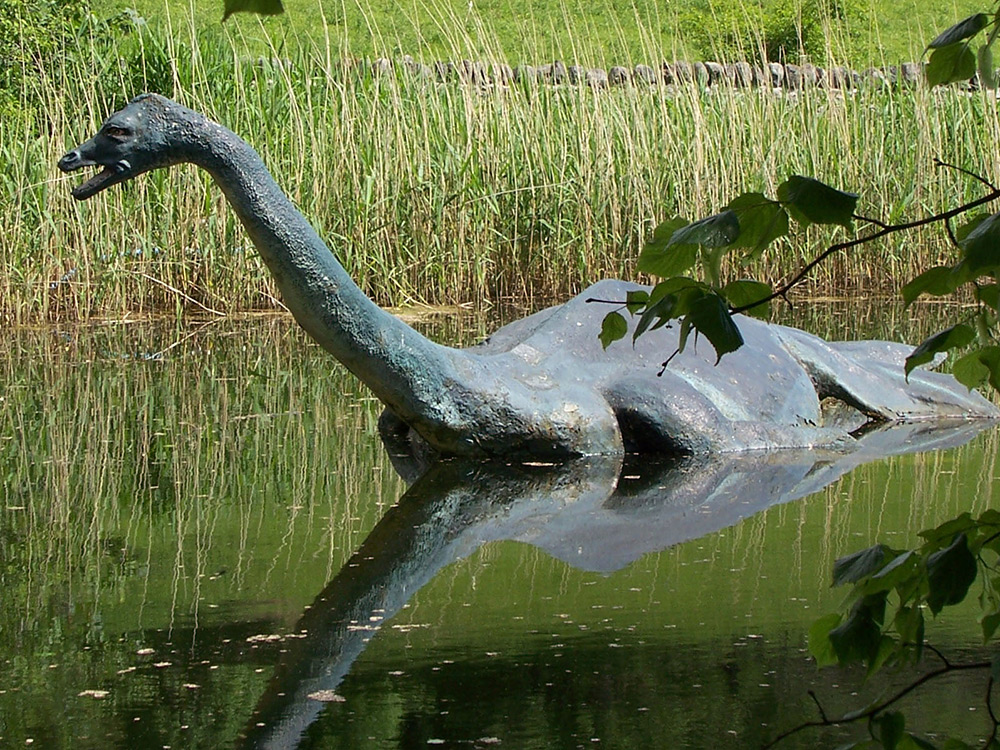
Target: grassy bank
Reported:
point(595, 32)
point(443, 193)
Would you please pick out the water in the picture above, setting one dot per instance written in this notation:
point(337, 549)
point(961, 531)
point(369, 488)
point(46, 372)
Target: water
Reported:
point(199, 522)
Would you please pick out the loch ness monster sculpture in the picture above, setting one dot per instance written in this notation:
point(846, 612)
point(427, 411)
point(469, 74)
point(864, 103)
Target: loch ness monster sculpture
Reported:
point(542, 386)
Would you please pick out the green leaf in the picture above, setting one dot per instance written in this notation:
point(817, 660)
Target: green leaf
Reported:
point(950, 338)
point(858, 637)
point(981, 246)
point(261, 7)
point(964, 29)
point(819, 640)
point(989, 295)
point(990, 517)
point(989, 623)
point(613, 328)
point(950, 64)
point(636, 300)
point(678, 286)
point(890, 727)
point(710, 317)
point(909, 622)
point(943, 535)
point(718, 230)
point(886, 649)
point(973, 221)
point(657, 314)
point(899, 570)
point(683, 333)
point(985, 68)
point(970, 371)
point(950, 572)
point(990, 357)
point(853, 568)
point(762, 221)
point(668, 300)
point(810, 201)
point(660, 258)
point(747, 292)
point(937, 281)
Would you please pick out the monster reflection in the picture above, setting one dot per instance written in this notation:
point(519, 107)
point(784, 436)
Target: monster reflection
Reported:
point(596, 514)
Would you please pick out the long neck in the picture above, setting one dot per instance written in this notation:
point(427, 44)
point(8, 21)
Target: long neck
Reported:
point(403, 368)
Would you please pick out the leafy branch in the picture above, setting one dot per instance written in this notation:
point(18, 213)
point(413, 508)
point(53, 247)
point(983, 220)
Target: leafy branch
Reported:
point(883, 621)
point(883, 231)
point(752, 221)
point(895, 721)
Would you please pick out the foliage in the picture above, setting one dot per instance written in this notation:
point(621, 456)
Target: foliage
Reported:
point(775, 30)
point(883, 622)
point(753, 221)
point(32, 32)
point(859, 33)
point(750, 221)
point(952, 58)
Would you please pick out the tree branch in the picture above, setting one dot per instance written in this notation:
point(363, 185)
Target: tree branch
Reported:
point(989, 708)
point(888, 229)
point(876, 709)
point(969, 173)
point(938, 654)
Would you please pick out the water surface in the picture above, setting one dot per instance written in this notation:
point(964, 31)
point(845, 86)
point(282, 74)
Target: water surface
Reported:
point(195, 519)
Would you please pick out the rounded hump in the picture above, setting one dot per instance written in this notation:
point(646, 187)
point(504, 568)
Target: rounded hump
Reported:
point(151, 97)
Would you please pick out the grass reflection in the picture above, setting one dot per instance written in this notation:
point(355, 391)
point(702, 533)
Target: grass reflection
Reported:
point(173, 498)
point(101, 438)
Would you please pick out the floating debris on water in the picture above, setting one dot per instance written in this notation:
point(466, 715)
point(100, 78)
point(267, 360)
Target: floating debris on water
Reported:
point(98, 694)
point(327, 696)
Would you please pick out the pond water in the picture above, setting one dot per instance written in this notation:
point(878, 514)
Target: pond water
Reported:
point(200, 533)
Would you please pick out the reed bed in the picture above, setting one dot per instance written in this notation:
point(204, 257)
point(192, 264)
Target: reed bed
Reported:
point(121, 463)
point(446, 193)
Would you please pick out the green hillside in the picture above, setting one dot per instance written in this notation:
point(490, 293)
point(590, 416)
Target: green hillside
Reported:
point(601, 32)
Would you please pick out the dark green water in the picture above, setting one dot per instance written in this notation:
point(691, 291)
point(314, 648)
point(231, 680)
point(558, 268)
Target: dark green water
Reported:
point(184, 509)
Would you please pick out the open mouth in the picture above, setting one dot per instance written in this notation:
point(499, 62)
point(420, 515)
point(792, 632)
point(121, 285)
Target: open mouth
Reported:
point(110, 175)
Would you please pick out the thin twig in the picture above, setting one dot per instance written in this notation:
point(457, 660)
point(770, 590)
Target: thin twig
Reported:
point(178, 292)
point(869, 220)
point(878, 707)
point(889, 229)
point(938, 654)
point(989, 709)
point(951, 234)
point(968, 173)
point(819, 706)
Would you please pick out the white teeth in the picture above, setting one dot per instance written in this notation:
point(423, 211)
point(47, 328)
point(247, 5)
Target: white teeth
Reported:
point(123, 166)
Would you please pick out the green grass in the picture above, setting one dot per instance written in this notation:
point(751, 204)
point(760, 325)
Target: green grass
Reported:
point(444, 193)
point(601, 32)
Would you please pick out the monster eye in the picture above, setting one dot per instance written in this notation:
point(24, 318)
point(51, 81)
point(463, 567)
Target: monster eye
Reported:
point(114, 131)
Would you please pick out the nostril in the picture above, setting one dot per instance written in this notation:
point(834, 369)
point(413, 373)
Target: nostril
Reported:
point(69, 161)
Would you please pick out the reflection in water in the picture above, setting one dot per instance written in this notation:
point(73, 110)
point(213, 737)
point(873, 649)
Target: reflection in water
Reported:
point(579, 512)
point(165, 519)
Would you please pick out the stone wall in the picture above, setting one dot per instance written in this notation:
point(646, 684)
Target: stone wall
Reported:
point(705, 74)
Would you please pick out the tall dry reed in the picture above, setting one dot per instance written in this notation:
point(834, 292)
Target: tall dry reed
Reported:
point(445, 193)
